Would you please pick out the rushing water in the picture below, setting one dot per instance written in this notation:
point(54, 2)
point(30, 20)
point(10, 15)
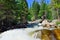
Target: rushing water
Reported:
point(18, 34)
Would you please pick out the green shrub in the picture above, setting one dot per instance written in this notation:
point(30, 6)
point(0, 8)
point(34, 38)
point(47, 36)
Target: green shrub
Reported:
point(57, 22)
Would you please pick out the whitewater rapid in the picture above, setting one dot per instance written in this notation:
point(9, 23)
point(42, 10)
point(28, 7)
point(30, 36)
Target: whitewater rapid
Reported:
point(18, 34)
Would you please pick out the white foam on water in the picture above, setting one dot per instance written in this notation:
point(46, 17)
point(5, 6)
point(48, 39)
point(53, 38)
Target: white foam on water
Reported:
point(16, 34)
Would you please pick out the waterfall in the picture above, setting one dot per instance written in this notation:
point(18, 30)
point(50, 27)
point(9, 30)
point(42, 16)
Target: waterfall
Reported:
point(18, 34)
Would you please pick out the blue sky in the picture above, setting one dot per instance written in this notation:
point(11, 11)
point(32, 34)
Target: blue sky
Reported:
point(31, 1)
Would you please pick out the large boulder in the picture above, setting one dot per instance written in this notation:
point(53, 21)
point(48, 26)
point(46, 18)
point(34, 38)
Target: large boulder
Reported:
point(53, 23)
point(45, 23)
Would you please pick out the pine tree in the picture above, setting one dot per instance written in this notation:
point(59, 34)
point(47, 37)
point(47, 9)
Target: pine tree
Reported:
point(56, 8)
point(8, 10)
point(23, 7)
point(43, 10)
point(35, 9)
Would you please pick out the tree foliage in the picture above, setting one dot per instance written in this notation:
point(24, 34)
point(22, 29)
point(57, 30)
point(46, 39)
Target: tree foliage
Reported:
point(56, 5)
point(35, 10)
point(18, 11)
point(7, 12)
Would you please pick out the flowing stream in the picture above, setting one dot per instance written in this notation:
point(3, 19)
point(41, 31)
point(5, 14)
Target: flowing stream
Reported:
point(19, 34)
